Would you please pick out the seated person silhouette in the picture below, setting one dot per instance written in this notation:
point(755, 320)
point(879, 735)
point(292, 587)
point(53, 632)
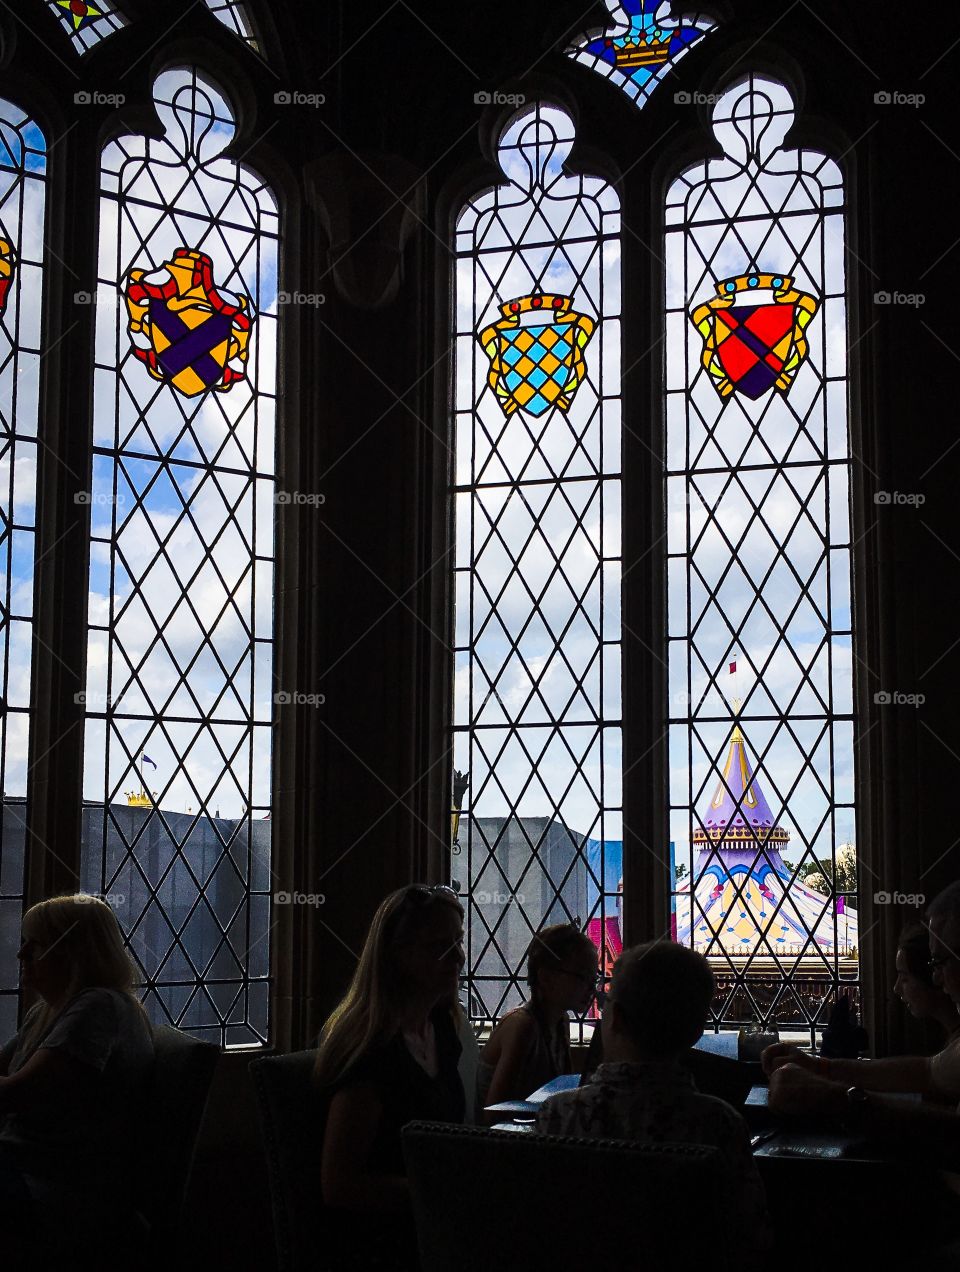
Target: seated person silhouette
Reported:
point(72, 1078)
point(656, 1007)
point(915, 986)
point(823, 1085)
point(389, 1055)
point(531, 1045)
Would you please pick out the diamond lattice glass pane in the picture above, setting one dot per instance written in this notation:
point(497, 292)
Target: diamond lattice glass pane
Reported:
point(178, 699)
point(762, 812)
point(22, 198)
point(234, 16)
point(537, 691)
point(87, 25)
point(643, 47)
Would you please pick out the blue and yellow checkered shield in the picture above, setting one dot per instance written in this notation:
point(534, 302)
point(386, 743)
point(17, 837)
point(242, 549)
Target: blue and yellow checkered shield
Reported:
point(536, 353)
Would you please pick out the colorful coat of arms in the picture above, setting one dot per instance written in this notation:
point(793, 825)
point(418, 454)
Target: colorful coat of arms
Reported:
point(536, 364)
point(8, 263)
point(185, 330)
point(749, 345)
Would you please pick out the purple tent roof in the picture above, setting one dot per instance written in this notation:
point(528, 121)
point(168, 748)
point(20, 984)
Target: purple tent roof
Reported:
point(739, 808)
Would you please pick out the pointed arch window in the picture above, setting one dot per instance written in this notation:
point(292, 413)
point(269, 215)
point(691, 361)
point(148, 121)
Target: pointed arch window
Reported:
point(179, 696)
point(22, 205)
point(759, 567)
point(537, 494)
point(235, 17)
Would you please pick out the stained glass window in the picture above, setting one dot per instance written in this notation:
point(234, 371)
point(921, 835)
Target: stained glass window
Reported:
point(537, 491)
point(22, 197)
point(87, 23)
point(179, 697)
point(643, 47)
point(759, 560)
point(234, 16)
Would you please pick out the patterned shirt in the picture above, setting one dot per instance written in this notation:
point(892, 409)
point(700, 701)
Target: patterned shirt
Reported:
point(657, 1103)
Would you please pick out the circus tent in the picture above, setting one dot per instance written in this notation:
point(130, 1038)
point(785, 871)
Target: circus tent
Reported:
point(746, 903)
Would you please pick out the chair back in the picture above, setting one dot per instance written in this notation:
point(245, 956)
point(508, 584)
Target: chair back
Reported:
point(292, 1120)
point(518, 1201)
point(183, 1069)
point(469, 1059)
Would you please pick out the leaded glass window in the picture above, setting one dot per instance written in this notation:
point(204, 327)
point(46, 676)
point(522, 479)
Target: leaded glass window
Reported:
point(87, 23)
point(761, 719)
point(22, 202)
point(643, 46)
point(179, 698)
point(537, 491)
point(235, 18)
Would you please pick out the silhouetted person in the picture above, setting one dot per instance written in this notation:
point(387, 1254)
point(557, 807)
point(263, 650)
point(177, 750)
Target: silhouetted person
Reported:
point(389, 1055)
point(73, 1078)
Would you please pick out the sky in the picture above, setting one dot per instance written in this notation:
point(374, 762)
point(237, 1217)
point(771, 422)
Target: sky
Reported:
point(713, 440)
point(579, 522)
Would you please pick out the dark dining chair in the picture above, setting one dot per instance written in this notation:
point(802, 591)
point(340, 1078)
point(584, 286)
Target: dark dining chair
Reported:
point(183, 1070)
point(545, 1201)
point(292, 1120)
point(167, 1128)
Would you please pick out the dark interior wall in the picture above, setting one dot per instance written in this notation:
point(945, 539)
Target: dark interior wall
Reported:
point(368, 183)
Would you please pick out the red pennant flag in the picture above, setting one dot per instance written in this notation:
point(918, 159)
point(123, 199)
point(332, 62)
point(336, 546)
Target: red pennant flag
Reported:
point(733, 668)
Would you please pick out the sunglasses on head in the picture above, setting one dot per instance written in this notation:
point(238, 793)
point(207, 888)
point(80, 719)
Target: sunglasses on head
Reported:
point(424, 891)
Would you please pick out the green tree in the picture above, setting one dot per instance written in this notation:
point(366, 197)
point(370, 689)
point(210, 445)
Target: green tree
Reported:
point(821, 877)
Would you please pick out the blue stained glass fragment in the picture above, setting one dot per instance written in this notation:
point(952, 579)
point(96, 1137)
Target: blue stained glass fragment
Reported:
point(639, 55)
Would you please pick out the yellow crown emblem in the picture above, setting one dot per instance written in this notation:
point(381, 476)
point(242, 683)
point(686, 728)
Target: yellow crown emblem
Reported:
point(652, 49)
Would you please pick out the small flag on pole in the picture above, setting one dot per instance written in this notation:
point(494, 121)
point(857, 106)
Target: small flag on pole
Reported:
point(145, 759)
point(733, 668)
point(841, 905)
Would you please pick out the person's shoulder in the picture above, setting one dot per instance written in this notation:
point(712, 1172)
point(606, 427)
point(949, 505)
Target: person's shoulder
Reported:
point(96, 998)
point(518, 1023)
point(720, 1114)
